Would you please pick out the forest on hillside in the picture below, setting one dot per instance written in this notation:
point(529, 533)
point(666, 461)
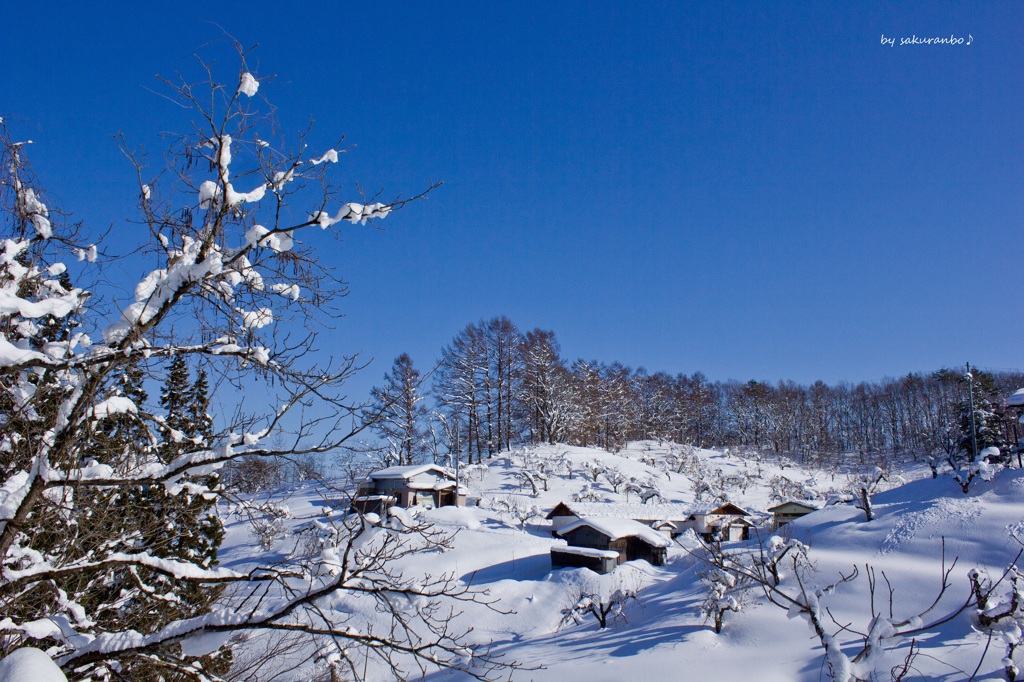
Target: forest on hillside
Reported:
point(496, 386)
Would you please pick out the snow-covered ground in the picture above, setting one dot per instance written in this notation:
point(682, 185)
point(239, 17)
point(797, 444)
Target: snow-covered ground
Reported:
point(662, 632)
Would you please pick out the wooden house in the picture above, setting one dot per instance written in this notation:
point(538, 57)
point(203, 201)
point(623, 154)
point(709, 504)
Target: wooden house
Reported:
point(429, 485)
point(789, 510)
point(628, 539)
point(727, 522)
point(732, 529)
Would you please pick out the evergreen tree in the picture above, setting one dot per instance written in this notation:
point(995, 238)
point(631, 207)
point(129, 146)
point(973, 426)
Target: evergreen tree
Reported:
point(195, 531)
point(175, 398)
point(167, 525)
point(123, 439)
point(200, 421)
point(988, 415)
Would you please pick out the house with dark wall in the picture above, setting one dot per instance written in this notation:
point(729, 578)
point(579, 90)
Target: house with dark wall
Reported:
point(790, 510)
point(628, 539)
point(429, 485)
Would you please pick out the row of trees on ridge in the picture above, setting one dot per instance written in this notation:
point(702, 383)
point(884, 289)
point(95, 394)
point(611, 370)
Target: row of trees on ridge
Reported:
point(496, 386)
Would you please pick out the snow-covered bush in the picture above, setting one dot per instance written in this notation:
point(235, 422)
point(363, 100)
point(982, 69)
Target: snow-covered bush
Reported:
point(999, 612)
point(471, 472)
point(601, 597)
point(593, 469)
point(615, 477)
point(588, 494)
point(534, 479)
point(516, 510)
point(724, 595)
point(267, 524)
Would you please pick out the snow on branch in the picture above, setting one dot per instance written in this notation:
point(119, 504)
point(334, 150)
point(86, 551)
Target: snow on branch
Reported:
point(108, 521)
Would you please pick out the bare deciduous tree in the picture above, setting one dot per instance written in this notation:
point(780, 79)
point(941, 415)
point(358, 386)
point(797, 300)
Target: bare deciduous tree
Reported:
point(601, 597)
point(233, 224)
point(781, 570)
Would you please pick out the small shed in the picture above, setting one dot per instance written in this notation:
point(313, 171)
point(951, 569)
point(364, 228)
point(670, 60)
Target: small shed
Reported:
point(597, 560)
point(732, 529)
point(430, 485)
point(629, 539)
point(728, 522)
point(373, 504)
point(790, 510)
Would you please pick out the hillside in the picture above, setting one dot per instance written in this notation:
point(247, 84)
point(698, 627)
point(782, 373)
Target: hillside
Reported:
point(496, 550)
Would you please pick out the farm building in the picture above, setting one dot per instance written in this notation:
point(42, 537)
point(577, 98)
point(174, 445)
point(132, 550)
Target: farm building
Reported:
point(668, 518)
point(600, 561)
point(424, 484)
point(601, 537)
point(727, 522)
point(789, 510)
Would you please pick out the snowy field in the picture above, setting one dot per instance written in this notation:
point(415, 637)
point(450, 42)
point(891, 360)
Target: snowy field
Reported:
point(507, 555)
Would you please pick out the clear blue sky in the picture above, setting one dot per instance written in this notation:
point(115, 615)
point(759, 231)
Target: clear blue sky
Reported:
point(752, 190)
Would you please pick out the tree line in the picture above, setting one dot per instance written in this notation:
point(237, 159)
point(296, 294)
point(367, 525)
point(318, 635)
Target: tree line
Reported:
point(496, 386)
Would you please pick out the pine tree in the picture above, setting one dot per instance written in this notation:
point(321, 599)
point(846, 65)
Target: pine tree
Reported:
point(171, 526)
point(175, 399)
point(988, 417)
point(123, 439)
point(201, 423)
point(191, 520)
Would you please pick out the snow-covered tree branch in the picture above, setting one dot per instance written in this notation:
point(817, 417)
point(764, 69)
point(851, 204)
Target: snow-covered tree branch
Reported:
point(108, 523)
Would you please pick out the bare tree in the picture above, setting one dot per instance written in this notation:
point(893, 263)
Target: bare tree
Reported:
point(457, 389)
point(232, 224)
point(397, 412)
point(782, 571)
point(601, 597)
point(724, 595)
point(546, 388)
point(1001, 615)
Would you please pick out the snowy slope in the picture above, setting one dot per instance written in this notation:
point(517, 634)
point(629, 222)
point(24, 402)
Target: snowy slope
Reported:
point(497, 551)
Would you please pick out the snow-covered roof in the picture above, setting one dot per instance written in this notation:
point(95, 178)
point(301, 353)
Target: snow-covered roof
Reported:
point(407, 472)
point(637, 511)
point(730, 521)
point(729, 509)
point(586, 551)
point(1017, 398)
point(620, 528)
point(436, 484)
point(809, 506)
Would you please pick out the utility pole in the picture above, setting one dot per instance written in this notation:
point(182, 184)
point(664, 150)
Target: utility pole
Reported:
point(974, 430)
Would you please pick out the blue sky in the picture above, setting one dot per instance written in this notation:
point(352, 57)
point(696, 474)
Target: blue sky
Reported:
point(751, 190)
